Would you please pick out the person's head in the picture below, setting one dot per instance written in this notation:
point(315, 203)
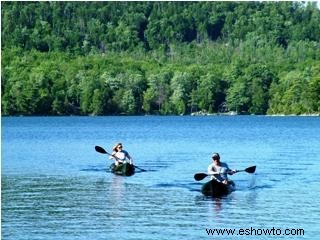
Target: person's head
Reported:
point(117, 147)
point(216, 158)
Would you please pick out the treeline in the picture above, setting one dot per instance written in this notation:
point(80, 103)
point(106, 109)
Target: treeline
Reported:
point(104, 58)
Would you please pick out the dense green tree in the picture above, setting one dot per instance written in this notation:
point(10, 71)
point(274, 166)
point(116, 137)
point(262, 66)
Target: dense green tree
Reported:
point(181, 85)
point(238, 97)
point(104, 58)
point(157, 93)
point(260, 78)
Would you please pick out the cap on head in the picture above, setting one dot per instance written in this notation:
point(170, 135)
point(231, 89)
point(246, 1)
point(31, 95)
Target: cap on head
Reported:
point(216, 156)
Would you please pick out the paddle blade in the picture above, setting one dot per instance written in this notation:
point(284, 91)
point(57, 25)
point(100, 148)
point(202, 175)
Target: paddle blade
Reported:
point(100, 149)
point(250, 169)
point(200, 176)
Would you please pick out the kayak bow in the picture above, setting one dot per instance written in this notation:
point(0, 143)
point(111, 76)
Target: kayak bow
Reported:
point(214, 188)
point(125, 169)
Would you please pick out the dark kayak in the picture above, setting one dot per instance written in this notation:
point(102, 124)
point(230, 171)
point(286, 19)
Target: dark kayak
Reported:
point(125, 169)
point(214, 188)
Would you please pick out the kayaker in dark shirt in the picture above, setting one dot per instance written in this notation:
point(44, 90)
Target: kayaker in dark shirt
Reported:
point(219, 170)
point(120, 155)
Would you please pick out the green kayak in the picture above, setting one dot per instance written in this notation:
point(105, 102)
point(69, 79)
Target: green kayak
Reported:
point(214, 188)
point(125, 169)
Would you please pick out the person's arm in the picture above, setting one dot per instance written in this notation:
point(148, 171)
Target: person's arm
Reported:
point(129, 157)
point(230, 171)
point(113, 156)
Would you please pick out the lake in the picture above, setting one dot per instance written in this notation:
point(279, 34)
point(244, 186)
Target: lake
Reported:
point(56, 186)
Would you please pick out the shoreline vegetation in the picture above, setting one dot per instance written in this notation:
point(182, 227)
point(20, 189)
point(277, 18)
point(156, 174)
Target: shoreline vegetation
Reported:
point(192, 114)
point(160, 58)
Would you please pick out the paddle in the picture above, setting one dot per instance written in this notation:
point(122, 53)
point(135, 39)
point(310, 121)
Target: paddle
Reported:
point(200, 176)
point(101, 150)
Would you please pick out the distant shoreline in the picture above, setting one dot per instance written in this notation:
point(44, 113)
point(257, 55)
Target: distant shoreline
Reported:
point(142, 115)
point(233, 113)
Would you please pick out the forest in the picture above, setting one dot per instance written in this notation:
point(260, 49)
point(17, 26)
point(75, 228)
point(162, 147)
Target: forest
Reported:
point(166, 58)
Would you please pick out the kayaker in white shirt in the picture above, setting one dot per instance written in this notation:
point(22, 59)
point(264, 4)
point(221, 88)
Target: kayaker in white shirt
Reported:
point(219, 170)
point(120, 155)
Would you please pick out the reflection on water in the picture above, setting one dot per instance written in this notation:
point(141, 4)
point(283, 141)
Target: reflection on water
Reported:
point(217, 206)
point(117, 188)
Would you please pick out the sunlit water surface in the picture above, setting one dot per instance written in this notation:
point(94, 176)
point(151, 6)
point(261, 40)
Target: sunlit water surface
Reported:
point(55, 186)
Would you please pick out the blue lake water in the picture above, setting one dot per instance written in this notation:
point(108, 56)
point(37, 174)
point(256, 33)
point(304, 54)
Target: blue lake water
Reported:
point(56, 186)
